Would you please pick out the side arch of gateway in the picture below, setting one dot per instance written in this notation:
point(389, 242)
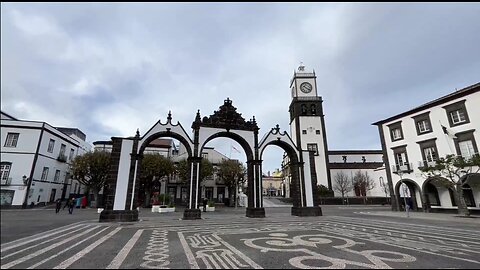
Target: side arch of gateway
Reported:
point(126, 156)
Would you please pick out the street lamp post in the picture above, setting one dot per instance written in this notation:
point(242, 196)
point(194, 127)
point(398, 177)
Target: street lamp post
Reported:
point(400, 173)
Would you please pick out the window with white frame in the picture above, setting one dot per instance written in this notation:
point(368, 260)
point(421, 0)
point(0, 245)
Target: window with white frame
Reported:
point(45, 173)
point(57, 176)
point(313, 147)
point(5, 171)
point(457, 113)
point(430, 154)
point(466, 149)
point(72, 152)
point(423, 126)
point(401, 158)
point(458, 116)
point(12, 139)
point(396, 134)
point(51, 145)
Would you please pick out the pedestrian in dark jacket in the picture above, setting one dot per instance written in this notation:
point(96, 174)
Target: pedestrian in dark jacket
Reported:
point(67, 202)
point(71, 205)
point(58, 205)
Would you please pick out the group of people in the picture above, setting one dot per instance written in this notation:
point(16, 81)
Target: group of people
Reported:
point(70, 203)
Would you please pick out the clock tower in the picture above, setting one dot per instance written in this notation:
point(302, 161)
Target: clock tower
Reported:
point(307, 123)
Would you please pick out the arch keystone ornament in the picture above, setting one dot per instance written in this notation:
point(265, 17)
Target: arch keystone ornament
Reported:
point(307, 164)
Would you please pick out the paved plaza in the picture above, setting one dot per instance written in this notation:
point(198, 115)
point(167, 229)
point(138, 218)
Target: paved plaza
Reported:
point(345, 237)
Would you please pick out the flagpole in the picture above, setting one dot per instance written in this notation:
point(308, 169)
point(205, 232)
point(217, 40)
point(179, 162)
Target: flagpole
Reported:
point(445, 131)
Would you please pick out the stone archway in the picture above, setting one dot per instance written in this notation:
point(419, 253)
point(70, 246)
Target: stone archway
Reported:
point(227, 122)
point(414, 193)
point(302, 169)
point(122, 186)
point(471, 189)
point(433, 193)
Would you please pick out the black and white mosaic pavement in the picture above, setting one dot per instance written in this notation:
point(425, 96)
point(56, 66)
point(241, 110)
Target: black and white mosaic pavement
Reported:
point(240, 242)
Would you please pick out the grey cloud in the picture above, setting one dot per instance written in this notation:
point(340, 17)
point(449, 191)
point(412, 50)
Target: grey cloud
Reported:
point(110, 68)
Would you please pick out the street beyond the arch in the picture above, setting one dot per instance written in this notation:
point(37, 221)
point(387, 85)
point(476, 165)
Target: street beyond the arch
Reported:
point(344, 237)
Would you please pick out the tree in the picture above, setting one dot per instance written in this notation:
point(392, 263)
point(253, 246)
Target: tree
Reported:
point(385, 189)
point(232, 172)
point(342, 184)
point(454, 168)
point(323, 191)
point(91, 169)
point(363, 183)
point(154, 168)
point(182, 168)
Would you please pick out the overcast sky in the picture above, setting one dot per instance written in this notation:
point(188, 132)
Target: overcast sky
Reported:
point(109, 69)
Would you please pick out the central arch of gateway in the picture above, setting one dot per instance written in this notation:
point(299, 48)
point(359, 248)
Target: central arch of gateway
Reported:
point(122, 185)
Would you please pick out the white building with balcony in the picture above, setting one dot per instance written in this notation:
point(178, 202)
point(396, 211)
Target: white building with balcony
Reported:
point(35, 161)
point(412, 139)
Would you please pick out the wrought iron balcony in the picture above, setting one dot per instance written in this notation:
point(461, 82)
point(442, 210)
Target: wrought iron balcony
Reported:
point(6, 181)
point(425, 164)
point(401, 169)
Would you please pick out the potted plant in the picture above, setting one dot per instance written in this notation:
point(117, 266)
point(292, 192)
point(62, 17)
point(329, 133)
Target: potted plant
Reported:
point(210, 206)
point(167, 205)
point(155, 204)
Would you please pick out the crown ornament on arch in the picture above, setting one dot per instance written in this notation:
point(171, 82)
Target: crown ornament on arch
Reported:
point(227, 117)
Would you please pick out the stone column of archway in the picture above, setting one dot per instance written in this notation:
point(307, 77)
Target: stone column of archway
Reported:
point(295, 187)
point(308, 207)
point(193, 211)
point(255, 208)
point(118, 206)
point(132, 190)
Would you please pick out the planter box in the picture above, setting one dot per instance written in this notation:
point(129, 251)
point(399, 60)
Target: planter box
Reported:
point(166, 209)
point(162, 209)
point(210, 209)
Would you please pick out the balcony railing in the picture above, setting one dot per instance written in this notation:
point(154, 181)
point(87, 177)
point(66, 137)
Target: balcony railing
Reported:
point(425, 164)
point(405, 168)
point(62, 157)
point(6, 181)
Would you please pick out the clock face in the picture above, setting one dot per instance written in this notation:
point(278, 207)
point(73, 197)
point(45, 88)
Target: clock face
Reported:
point(306, 87)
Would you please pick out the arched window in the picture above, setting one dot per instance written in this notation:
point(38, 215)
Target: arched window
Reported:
point(304, 109)
point(313, 109)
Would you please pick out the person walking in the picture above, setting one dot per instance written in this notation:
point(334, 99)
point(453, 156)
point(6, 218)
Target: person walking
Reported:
point(67, 202)
point(71, 205)
point(58, 206)
point(205, 201)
